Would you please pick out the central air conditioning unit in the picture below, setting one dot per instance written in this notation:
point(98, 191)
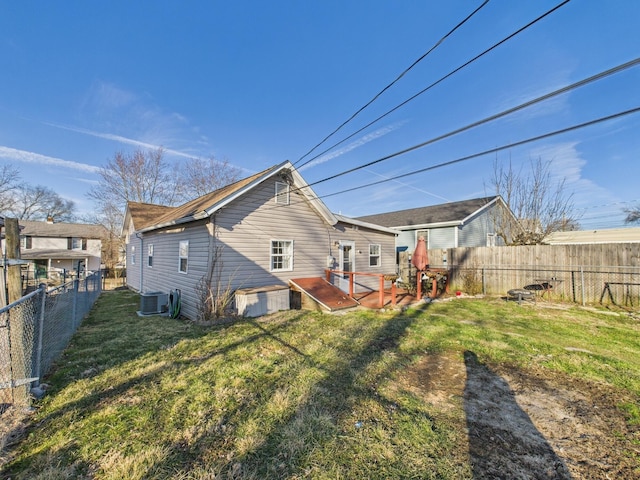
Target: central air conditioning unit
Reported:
point(153, 302)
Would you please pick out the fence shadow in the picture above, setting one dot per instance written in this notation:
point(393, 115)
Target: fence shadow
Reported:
point(503, 441)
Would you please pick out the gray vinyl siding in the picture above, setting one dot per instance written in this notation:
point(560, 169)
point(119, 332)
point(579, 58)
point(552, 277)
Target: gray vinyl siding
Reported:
point(444, 237)
point(362, 238)
point(407, 238)
point(246, 227)
point(164, 275)
point(474, 232)
point(133, 270)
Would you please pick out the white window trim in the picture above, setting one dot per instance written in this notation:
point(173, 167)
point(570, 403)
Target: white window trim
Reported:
point(272, 255)
point(181, 256)
point(378, 255)
point(491, 239)
point(150, 255)
point(133, 254)
point(282, 193)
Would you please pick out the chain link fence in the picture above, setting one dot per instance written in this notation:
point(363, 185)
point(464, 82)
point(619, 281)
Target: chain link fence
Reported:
point(35, 330)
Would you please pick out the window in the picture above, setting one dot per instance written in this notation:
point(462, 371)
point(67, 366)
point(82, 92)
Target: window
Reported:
point(374, 255)
point(76, 243)
point(26, 242)
point(424, 234)
point(491, 239)
point(183, 255)
point(281, 255)
point(282, 193)
point(150, 255)
point(133, 254)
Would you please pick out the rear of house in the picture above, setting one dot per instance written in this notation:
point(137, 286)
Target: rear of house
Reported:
point(261, 231)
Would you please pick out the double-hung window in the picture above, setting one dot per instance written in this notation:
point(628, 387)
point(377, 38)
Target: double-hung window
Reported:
point(133, 254)
point(183, 255)
point(150, 255)
point(281, 255)
point(374, 255)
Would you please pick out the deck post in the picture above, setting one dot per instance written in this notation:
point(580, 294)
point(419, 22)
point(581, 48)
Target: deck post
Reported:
point(351, 277)
point(381, 293)
point(393, 293)
point(419, 286)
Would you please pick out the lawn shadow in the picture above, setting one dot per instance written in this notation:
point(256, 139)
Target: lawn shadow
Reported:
point(503, 441)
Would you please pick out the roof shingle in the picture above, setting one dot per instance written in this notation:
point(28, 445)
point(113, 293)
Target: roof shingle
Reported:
point(446, 212)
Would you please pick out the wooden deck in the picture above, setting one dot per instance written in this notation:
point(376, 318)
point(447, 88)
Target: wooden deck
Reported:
point(331, 298)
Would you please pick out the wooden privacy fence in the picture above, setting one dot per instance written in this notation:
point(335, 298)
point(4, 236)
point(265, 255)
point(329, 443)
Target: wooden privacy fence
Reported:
point(594, 273)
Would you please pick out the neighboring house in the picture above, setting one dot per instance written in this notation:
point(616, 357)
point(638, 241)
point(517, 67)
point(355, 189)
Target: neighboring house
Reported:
point(468, 223)
point(261, 231)
point(58, 247)
point(605, 235)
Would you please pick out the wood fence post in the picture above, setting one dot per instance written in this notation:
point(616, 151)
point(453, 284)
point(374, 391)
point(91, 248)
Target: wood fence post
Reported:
point(14, 277)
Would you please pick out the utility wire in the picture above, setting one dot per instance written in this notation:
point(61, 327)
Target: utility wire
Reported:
point(413, 97)
point(437, 44)
point(492, 150)
point(573, 86)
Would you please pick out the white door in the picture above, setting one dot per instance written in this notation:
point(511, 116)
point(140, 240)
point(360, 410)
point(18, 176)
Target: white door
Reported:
point(347, 263)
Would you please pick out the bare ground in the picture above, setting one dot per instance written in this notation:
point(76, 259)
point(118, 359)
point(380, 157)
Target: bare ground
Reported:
point(529, 424)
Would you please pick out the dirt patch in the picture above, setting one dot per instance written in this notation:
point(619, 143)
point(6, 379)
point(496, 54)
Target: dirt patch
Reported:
point(529, 424)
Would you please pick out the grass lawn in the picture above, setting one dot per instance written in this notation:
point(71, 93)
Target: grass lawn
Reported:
point(365, 394)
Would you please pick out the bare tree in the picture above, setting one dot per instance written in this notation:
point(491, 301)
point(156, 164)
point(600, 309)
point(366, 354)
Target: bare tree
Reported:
point(39, 203)
point(633, 214)
point(201, 176)
point(9, 177)
point(539, 206)
point(142, 176)
point(146, 177)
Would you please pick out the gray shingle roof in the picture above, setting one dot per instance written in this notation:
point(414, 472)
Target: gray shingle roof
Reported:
point(62, 230)
point(446, 212)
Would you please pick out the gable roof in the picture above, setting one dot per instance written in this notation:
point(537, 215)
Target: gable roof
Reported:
point(144, 219)
point(62, 230)
point(444, 214)
point(144, 214)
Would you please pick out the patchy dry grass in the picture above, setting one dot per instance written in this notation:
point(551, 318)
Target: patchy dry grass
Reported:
point(309, 395)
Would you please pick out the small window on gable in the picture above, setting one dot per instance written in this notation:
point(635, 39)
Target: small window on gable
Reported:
point(491, 239)
point(150, 255)
point(183, 255)
point(282, 193)
point(374, 255)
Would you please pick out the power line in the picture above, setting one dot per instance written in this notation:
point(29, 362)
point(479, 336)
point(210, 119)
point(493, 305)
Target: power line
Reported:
point(413, 97)
point(547, 96)
point(437, 44)
point(485, 152)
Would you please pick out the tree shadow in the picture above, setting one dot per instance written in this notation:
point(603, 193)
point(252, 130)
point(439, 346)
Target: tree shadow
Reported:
point(503, 441)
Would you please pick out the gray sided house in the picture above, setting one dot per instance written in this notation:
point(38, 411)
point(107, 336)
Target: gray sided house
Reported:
point(261, 231)
point(468, 223)
point(57, 247)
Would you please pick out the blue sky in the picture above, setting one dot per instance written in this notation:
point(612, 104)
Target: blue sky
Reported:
point(257, 83)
